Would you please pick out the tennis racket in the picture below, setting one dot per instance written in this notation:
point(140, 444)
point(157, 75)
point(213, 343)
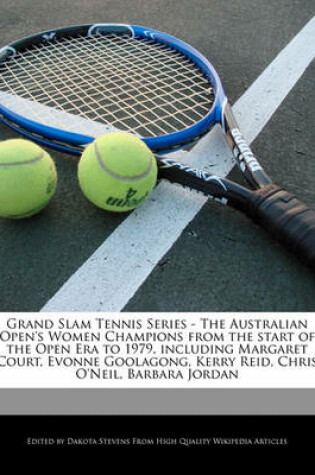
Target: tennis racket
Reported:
point(64, 88)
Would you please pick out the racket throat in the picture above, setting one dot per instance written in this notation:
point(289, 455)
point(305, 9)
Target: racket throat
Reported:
point(216, 188)
point(242, 152)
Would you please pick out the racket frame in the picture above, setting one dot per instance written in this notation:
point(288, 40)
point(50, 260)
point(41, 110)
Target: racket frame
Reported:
point(165, 143)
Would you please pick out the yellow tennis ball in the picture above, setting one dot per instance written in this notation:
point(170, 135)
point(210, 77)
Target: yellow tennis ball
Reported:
point(28, 178)
point(117, 172)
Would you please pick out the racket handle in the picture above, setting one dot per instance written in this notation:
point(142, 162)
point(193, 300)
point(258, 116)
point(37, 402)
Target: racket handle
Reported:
point(285, 217)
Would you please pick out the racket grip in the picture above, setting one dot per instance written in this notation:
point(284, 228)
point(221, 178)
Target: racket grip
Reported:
point(286, 218)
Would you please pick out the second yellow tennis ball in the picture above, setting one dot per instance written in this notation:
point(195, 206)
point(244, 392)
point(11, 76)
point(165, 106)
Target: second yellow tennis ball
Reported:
point(117, 172)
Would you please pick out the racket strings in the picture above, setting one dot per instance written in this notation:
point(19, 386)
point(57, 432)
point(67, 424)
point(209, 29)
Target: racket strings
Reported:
point(140, 91)
point(72, 65)
point(139, 86)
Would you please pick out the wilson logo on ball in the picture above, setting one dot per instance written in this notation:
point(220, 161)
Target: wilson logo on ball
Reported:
point(128, 201)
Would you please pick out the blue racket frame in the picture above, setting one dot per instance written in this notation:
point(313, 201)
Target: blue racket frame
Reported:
point(163, 143)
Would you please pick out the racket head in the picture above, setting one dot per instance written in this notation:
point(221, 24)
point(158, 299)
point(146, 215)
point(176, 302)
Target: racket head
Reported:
point(153, 85)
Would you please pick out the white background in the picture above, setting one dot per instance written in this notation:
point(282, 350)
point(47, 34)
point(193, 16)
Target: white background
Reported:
point(249, 377)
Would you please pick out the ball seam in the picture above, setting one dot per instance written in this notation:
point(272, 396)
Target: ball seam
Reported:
point(116, 175)
point(28, 162)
